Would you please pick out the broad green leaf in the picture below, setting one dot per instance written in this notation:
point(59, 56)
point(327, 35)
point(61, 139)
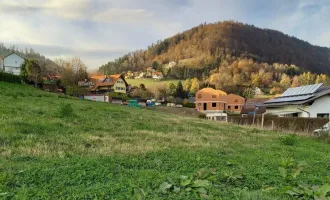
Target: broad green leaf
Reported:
point(200, 183)
point(176, 189)
point(164, 186)
point(324, 190)
point(170, 180)
point(282, 171)
point(201, 190)
point(290, 192)
point(183, 177)
point(188, 189)
point(185, 182)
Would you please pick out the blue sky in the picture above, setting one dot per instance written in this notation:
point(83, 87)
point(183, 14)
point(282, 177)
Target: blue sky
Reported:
point(101, 30)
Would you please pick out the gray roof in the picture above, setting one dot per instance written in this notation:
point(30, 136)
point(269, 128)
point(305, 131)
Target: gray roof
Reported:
point(299, 95)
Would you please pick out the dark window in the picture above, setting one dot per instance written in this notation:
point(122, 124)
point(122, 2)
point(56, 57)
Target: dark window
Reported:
point(236, 100)
point(199, 96)
point(214, 105)
point(228, 107)
point(214, 96)
point(322, 115)
point(295, 115)
point(236, 107)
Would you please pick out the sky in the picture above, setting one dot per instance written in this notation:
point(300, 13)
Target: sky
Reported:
point(99, 31)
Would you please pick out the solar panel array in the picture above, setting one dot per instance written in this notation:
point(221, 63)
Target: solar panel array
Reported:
point(304, 90)
point(289, 99)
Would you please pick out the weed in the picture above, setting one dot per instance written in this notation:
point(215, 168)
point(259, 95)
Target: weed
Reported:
point(66, 110)
point(289, 140)
point(202, 116)
point(197, 183)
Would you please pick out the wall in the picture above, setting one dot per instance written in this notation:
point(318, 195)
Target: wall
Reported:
point(12, 64)
point(101, 98)
point(120, 86)
point(209, 96)
point(321, 105)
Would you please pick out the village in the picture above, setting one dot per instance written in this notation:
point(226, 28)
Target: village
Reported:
point(307, 101)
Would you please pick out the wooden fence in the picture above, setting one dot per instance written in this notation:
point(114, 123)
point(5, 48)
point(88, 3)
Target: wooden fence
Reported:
point(294, 124)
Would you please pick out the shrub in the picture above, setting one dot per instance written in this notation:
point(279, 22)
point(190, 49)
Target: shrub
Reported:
point(202, 116)
point(66, 110)
point(189, 105)
point(10, 78)
point(289, 140)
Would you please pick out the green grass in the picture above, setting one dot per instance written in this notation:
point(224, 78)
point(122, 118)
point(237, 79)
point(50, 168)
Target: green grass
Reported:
point(150, 82)
point(102, 151)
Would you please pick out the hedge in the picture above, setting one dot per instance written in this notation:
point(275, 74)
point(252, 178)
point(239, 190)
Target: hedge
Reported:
point(10, 78)
point(295, 124)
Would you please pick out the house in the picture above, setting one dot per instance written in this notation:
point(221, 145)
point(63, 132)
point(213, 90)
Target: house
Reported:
point(258, 91)
point(157, 75)
point(254, 106)
point(104, 84)
point(305, 101)
point(211, 100)
point(12, 63)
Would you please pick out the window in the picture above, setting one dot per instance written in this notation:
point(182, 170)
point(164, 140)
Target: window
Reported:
point(236, 107)
point(214, 105)
point(322, 115)
point(228, 107)
point(199, 96)
point(236, 100)
point(214, 96)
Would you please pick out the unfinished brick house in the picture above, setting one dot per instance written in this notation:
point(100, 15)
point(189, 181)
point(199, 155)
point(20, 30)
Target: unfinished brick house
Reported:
point(211, 100)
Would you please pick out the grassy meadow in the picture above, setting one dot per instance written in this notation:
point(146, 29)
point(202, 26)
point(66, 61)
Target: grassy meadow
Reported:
point(55, 147)
point(149, 82)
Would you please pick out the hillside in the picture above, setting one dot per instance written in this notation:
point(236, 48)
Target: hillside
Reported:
point(48, 66)
point(206, 46)
point(90, 150)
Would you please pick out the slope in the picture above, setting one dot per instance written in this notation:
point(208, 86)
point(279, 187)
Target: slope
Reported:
point(206, 46)
point(102, 151)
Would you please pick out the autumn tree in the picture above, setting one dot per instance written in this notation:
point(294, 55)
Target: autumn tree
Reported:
point(285, 81)
point(194, 86)
point(172, 89)
point(162, 91)
point(187, 85)
point(31, 71)
point(73, 71)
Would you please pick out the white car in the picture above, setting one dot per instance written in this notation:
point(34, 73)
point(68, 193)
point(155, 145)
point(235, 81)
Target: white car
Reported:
point(321, 131)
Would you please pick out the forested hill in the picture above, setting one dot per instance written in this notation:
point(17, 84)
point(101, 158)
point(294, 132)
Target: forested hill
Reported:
point(48, 66)
point(205, 46)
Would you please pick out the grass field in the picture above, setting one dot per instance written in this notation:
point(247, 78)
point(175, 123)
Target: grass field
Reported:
point(101, 151)
point(150, 82)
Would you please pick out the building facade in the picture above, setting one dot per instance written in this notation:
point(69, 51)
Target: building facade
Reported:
point(12, 63)
point(105, 84)
point(211, 100)
point(307, 101)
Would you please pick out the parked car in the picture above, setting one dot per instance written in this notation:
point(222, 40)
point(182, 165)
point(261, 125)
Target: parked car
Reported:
point(322, 131)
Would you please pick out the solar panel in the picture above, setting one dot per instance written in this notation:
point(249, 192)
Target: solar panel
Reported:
point(303, 90)
point(289, 99)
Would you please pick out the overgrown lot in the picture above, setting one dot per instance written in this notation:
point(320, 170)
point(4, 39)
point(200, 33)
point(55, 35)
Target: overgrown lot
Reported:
point(54, 147)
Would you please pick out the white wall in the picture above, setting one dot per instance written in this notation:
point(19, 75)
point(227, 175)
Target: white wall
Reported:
point(100, 98)
point(320, 106)
point(12, 64)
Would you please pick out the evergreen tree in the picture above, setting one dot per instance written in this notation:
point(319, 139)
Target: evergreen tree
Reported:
point(179, 92)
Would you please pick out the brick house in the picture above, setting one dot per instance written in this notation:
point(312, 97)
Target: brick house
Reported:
point(211, 100)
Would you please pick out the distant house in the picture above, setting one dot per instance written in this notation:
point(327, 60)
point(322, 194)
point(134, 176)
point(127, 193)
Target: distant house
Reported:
point(171, 64)
point(105, 84)
point(141, 75)
point(211, 100)
point(254, 105)
point(305, 101)
point(258, 91)
point(157, 75)
point(12, 63)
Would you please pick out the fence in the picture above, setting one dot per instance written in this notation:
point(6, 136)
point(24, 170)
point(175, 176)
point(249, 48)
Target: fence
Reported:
point(294, 124)
point(10, 78)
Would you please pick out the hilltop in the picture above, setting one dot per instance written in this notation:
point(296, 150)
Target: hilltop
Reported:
point(54, 147)
point(206, 45)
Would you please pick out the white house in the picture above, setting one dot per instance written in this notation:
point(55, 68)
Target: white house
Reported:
point(12, 63)
point(305, 101)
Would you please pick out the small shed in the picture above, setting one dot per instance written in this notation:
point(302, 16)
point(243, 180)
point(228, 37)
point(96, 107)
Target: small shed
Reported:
point(217, 116)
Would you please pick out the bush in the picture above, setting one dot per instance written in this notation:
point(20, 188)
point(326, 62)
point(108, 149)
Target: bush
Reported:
point(189, 105)
point(202, 116)
point(10, 78)
point(66, 110)
point(289, 140)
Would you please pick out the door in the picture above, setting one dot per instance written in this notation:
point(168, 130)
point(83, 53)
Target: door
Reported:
point(205, 106)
